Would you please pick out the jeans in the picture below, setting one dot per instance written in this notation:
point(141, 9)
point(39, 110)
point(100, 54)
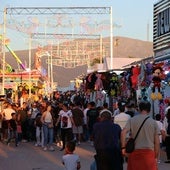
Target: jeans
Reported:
point(12, 134)
point(39, 136)
point(48, 135)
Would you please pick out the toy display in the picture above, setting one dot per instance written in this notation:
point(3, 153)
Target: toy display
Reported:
point(156, 83)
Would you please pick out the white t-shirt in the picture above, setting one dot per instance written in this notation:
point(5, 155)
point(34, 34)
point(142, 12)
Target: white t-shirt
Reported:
point(121, 119)
point(7, 113)
point(65, 119)
point(161, 127)
point(70, 161)
point(85, 115)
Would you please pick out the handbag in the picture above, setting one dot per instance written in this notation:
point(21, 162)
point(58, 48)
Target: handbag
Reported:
point(130, 145)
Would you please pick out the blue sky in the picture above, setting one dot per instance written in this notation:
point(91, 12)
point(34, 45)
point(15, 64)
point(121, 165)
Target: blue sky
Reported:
point(132, 15)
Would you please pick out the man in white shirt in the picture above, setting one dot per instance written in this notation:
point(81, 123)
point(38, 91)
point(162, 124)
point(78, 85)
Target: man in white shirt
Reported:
point(122, 117)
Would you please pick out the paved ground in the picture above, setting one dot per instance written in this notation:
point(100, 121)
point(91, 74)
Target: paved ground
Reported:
point(29, 157)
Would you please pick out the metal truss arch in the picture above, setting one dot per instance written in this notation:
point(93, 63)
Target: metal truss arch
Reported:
point(62, 36)
point(57, 10)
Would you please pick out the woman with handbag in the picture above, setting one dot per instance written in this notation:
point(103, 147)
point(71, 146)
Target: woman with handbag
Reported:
point(146, 145)
point(47, 124)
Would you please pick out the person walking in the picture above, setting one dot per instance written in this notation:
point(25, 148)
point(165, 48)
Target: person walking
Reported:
point(66, 121)
point(12, 128)
point(7, 115)
point(92, 118)
point(39, 131)
point(121, 118)
point(78, 116)
point(33, 111)
point(22, 111)
point(47, 123)
point(70, 160)
point(106, 137)
point(146, 149)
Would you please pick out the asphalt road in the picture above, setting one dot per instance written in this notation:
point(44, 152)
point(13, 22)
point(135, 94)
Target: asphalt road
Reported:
point(28, 157)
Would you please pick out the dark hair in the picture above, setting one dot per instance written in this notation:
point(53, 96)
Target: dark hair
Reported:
point(106, 115)
point(78, 103)
point(66, 105)
point(158, 117)
point(71, 146)
point(145, 106)
point(92, 104)
point(122, 108)
point(105, 105)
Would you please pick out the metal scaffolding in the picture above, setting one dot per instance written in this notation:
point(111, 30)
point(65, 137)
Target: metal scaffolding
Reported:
point(72, 50)
point(57, 10)
point(64, 36)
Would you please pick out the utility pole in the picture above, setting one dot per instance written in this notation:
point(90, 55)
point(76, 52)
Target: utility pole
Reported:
point(3, 57)
point(147, 31)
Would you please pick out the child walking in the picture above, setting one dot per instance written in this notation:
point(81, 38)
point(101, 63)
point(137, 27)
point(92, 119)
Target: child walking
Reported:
point(70, 160)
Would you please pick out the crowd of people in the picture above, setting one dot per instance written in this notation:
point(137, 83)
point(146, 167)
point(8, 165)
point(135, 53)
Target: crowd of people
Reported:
point(69, 122)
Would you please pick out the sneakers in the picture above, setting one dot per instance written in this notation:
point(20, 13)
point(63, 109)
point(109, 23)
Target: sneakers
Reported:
point(51, 148)
point(36, 145)
point(45, 149)
point(24, 141)
point(159, 161)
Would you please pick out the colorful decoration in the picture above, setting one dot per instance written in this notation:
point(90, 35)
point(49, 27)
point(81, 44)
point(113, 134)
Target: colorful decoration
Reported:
point(156, 83)
point(113, 85)
point(14, 55)
point(98, 83)
point(148, 74)
point(134, 77)
point(142, 76)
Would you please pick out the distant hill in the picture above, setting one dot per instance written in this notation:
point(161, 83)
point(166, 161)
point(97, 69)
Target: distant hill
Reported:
point(124, 48)
point(132, 48)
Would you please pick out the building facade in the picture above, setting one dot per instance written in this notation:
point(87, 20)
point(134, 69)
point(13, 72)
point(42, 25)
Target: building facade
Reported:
point(161, 30)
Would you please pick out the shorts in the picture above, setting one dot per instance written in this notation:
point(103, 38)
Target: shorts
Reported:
point(77, 129)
